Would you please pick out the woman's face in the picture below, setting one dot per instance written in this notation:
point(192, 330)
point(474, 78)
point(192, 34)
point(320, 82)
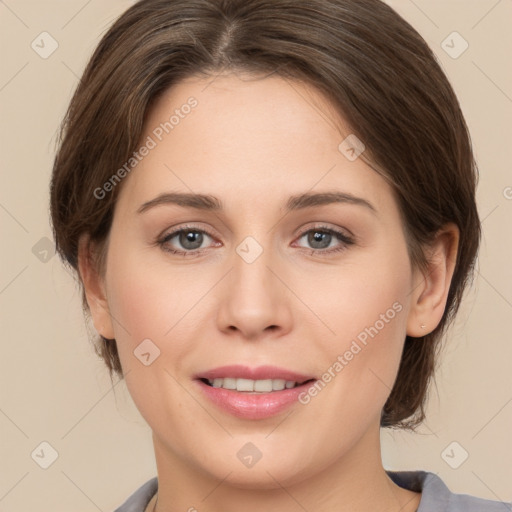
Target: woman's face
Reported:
point(276, 284)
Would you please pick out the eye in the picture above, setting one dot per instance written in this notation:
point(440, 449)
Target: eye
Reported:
point(189, 238)
point(321, 237)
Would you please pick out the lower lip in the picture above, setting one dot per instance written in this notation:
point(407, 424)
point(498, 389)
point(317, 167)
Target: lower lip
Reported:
point(253, 406)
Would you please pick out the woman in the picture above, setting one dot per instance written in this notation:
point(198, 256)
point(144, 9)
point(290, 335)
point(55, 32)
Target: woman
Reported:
point(271, 209)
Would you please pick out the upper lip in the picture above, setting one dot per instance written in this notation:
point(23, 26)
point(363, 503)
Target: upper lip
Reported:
point(259, 373)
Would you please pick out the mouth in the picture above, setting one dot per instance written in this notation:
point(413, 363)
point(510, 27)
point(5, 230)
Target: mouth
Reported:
point(253, 393)
point(253, 386)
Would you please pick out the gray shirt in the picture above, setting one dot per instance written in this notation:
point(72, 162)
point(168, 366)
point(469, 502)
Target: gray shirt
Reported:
point(435, 496)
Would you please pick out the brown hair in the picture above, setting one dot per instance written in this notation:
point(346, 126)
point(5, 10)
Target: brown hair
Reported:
point(371, 64)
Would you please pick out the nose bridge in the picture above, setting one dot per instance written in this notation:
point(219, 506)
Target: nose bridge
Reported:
point(251, 274)
point(254, 299)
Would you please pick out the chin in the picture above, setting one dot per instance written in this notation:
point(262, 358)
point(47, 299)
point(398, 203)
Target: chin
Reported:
point(271, 471)
point(265, 478)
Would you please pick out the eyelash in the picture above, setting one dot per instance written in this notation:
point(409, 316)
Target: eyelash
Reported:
point(342, 237)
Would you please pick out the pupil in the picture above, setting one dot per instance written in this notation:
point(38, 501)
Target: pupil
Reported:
point(191, 237)
point(318, 236)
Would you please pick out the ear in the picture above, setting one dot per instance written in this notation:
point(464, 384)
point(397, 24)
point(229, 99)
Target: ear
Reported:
point(433, 284)
point(94, 288)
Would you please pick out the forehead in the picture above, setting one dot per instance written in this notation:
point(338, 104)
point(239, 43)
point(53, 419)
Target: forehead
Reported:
point(238, 114)
point(252, 136)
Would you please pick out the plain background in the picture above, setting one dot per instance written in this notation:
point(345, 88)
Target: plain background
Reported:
point(55, 390)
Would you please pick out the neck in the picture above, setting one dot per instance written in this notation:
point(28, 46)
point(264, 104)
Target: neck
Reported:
point(357, 482)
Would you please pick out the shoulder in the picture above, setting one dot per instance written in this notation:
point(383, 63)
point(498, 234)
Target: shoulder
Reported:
point(436, 497)
point(139, 500)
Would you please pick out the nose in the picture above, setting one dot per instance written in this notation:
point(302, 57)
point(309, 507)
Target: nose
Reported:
point(255, 301)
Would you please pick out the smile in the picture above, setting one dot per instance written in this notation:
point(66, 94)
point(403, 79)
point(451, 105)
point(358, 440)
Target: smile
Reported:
point(252, 393)
point(253, 386)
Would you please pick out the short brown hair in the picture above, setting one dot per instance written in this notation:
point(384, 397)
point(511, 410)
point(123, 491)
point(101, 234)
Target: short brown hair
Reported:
point(368, 61)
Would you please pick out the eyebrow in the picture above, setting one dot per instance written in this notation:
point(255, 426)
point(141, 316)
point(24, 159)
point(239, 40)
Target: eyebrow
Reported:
point(211, 203)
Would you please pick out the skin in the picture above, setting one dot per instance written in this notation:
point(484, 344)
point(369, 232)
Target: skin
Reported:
point(252, 144)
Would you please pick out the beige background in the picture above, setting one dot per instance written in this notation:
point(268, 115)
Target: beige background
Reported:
point(54, 389)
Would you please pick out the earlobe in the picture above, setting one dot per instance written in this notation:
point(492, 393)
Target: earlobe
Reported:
point(433, 284)
point(94, 289)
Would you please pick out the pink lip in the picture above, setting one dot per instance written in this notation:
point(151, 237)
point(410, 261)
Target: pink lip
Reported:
point(260, 373)
point(253, 406)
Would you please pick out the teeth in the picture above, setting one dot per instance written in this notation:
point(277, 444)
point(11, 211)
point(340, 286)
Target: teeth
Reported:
point(229, 384)
point(244, 385)
point(253, 386)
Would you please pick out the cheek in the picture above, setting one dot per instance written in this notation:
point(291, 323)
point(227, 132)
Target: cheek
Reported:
point(150, 300)
point(151, 309)
point(167, 305)
point(366, 298)
point(365, 307)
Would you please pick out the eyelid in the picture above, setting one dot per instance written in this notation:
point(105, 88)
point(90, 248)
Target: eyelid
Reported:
point(174, 230)
point(322, 226)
